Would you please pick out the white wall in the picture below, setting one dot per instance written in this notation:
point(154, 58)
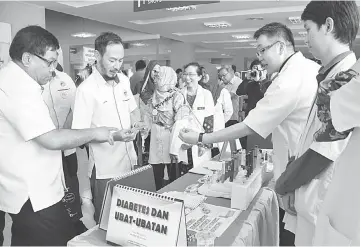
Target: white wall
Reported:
point(20, 15)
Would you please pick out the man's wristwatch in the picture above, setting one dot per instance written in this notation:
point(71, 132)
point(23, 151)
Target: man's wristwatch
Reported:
point(200, 139)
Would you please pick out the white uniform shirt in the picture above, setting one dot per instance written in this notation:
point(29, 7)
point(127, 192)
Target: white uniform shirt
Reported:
point(59, 95)
point(223, 111)
point(339, 221)
point(284, 109)
point(232, 87)
point(27, 170)
point(97, 103)
point(309, 197)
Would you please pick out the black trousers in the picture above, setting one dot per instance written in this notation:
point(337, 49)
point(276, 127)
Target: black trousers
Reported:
point(158, 171)
point(2, 226)
point(242, 140)
point(51, 226)
point(287, 238)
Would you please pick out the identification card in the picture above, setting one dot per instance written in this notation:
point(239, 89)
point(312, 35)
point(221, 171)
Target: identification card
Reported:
point(155, 118)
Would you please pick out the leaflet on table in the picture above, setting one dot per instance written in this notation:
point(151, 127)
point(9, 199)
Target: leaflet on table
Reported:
point(191, 201)
point(211, 218)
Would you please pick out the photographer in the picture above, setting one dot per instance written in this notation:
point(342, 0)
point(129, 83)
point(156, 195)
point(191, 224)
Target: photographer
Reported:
point(256, 78)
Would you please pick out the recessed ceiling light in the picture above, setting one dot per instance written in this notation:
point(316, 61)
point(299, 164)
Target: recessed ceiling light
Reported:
point(295, 20)
point(302, 34)
point(182, 8)
point(139, 44)
point(83, 35)
point(221, 24)
point(241, 36)
point(254, 19)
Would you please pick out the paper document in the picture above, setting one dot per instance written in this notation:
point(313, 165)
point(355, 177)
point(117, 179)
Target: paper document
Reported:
point(190, 201)
point(201, 170)
point(211, 218)
point(212, 165)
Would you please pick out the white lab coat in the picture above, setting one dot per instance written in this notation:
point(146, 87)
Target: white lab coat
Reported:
point(309, 197)
point(284, 109)
point(339, 220)
point(223, 112)
point(203, 106)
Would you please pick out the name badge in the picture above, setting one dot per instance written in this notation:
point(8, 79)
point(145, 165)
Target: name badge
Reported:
point(201, 108)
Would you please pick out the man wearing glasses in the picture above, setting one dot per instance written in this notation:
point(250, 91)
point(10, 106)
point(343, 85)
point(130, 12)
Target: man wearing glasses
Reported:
point(231, 83)
point(284, 110)
point(31, 185)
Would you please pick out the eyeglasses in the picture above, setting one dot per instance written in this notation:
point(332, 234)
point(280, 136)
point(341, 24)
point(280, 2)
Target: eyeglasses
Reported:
point(50, 64)
point(190, 75)
point(224, 75)
point(261, 51)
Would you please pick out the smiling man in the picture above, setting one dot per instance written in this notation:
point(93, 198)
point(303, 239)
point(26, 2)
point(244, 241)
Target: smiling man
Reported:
point(285, 107)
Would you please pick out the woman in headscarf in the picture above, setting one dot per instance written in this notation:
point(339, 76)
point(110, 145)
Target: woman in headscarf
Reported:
point(145, 88)
point(144, 91)
point(164, 108)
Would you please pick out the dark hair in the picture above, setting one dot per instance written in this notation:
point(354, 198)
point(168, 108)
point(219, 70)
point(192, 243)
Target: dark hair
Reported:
point(178, 71)
point(234, 68)
point(34, 40)
point(276, 29)
point(140, 64)
point(255, 62)
point(345, 15)
point(194, 64)
point(105, 39)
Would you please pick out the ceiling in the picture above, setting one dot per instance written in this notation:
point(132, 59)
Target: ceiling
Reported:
point(185, 26)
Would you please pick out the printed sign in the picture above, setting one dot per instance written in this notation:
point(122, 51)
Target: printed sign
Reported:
point(144, 5)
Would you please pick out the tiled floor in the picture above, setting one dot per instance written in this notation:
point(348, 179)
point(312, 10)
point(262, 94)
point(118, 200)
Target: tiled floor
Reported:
point(84, 185)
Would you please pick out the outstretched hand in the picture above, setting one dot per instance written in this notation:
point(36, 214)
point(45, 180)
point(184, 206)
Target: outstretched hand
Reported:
point(124, 135)
point(188, 136)
point(104, 134)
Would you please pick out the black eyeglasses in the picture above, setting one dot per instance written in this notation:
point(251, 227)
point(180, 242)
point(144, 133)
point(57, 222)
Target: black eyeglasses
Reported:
point(50, 64)
point(261, 51)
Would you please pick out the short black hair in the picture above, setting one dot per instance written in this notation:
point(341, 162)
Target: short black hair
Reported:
point(255, 62)
point(234, 68)
point(345, 15)
point(105, 39)
point(34, 40)
point(195, 64)
point(140, 64)
point(178, 71)
point(276, 29)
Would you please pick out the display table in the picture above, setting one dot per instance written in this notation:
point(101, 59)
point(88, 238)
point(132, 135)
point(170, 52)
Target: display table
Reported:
point(258, 225)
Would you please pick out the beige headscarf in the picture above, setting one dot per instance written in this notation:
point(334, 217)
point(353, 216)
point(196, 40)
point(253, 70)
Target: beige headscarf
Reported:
point(165, 85)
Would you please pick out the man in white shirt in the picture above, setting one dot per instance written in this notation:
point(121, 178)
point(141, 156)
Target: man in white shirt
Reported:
point(105, 99)
point(284, 109)
point(331, 28)
point(31, 185)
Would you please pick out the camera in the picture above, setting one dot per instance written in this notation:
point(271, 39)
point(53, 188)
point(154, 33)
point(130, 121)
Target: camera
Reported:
point(255, 74)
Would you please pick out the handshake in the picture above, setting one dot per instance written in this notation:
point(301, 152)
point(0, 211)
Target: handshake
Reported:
point(110, 134)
